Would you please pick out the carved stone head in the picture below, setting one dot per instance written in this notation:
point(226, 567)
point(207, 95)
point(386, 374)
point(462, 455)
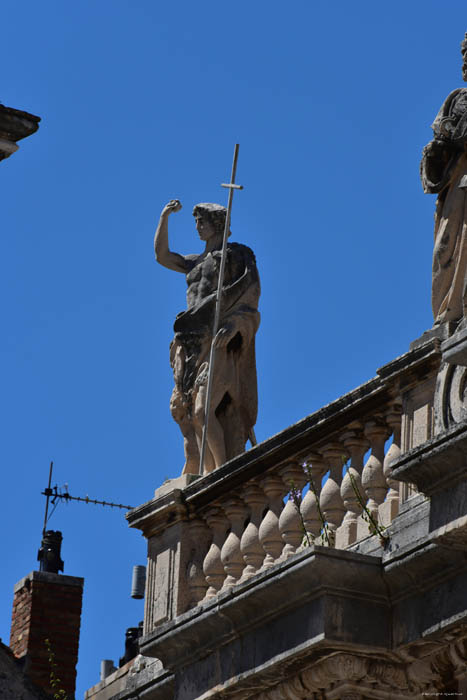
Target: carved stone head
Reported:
point(214, 213)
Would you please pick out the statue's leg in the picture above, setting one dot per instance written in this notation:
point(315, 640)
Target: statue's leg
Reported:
point(235, 432)
point(180, 414)
point(190, 447)
point(215, 437)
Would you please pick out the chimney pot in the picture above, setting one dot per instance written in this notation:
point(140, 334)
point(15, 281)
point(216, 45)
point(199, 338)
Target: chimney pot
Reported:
point(138, 582)
point(49, 552)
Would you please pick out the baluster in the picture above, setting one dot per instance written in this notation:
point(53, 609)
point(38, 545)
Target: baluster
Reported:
point(212, 565)
point(357, 445)
point(373, 479)
point(393, 419)
point(290, 521)
point(330, 500)
point(196, 579)
point(316, 469)
point(250, 546)
point(231, 555)
point(269, 534)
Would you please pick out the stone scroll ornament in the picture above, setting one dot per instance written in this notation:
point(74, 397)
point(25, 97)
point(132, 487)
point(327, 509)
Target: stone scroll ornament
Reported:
point(234, 399)
point(444, 172)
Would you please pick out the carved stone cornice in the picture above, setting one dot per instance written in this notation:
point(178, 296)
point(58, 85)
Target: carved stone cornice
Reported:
point(15, 125)
point(155, 516)
point(347, 676)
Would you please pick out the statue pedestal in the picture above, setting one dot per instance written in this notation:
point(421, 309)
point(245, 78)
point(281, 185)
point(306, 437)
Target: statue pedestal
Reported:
point(179, 483)
point(442, 331)
point(454, 349)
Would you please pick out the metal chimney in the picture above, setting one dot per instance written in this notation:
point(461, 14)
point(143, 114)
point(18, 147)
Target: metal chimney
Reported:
point(49, 552)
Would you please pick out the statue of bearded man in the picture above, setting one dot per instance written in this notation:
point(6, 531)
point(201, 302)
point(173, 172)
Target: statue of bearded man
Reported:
point(444, 172)
point(234, 401)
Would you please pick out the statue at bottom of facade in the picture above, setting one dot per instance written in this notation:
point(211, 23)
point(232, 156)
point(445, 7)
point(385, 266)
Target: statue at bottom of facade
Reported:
point(234, 399)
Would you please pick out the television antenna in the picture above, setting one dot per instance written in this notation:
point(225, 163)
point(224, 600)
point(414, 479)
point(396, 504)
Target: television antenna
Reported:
point(54, 496)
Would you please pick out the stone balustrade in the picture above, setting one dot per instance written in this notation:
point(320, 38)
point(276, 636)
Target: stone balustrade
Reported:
point(326, 480)
point(271, 517)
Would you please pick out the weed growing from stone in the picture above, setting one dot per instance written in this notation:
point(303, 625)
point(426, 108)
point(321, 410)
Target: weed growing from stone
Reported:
point(296, 496)
point(55, 682)
point(373, 526)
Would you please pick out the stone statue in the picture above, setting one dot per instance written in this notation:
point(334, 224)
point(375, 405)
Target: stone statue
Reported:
point(444, 172)
point(234, 400)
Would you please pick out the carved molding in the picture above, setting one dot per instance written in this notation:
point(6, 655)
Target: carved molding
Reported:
point(356, 677)
point(450, 405)
point(452, 535)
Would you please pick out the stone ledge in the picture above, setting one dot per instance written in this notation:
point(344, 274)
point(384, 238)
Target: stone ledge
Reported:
point(437, 464)
point(47, 577)
point(317, 603)
point(334, 587)
point(414, 359)
point(440, 332)
point(147, 675)
point(454, 349)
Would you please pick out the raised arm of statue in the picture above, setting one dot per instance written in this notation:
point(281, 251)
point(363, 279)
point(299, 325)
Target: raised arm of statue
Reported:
point(164, 256)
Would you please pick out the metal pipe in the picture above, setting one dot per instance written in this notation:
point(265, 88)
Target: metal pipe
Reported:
point(212, 354)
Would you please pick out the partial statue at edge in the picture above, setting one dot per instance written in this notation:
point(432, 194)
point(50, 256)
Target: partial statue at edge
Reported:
point(234, 400)
point(444, 172)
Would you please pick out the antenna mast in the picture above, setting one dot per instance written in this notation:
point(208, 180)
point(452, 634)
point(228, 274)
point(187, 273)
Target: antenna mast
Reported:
point(48, 492)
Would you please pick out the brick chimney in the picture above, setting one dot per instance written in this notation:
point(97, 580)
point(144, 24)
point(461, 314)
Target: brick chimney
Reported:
point(47, 606)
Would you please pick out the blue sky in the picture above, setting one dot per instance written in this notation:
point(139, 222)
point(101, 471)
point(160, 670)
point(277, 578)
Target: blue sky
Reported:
point(142, 101)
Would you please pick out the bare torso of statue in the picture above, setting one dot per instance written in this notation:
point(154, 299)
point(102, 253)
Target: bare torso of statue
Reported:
point(444, 172)
point(234, 403)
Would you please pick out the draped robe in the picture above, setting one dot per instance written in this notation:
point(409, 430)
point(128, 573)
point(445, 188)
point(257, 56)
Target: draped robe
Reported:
point(235, 365)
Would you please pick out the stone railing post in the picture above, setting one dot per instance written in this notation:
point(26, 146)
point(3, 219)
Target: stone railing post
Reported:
point(373, 479)
point(212, 566)
point(231, 555)
point(331, 502)
point(200, 537)
point(169, 552)
point(250, 546)
point(393, 419)
point(290, 521)
point(316, 468)
point(354, 441)
point(269, 534)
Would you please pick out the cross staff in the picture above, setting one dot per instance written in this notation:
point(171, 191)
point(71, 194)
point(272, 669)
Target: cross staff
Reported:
point(231, 187)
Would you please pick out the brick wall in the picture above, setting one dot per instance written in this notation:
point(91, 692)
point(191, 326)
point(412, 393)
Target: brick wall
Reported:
point(47, 606)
